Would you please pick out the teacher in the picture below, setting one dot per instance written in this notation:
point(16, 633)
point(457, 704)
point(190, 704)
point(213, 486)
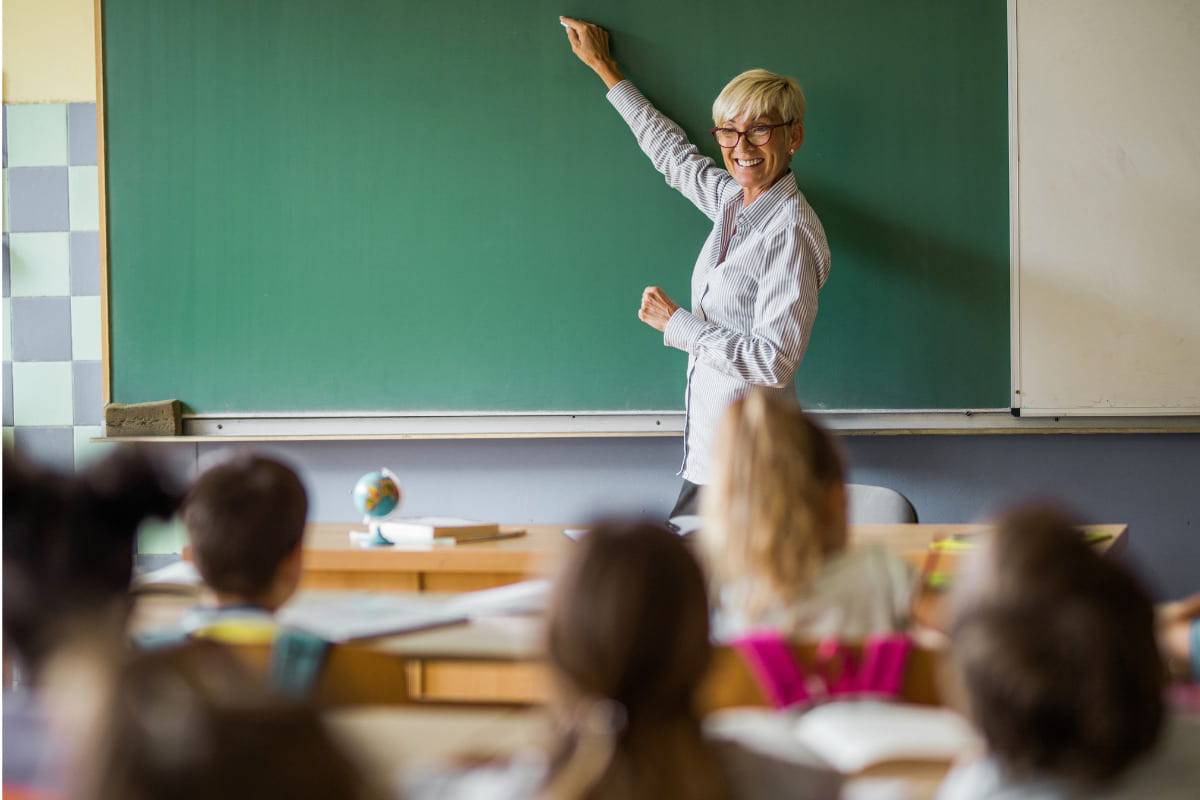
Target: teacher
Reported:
point(755, 283)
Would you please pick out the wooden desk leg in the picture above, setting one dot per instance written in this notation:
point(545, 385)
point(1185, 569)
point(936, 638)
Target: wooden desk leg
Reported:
point(416, 679)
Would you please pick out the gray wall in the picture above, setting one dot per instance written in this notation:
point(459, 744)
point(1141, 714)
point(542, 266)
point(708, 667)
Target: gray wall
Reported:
point(1151, 482)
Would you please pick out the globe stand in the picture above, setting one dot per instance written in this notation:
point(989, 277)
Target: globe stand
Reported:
point(377, 540)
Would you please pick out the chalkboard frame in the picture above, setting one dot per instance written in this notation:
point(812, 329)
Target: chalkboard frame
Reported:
point(656, 423)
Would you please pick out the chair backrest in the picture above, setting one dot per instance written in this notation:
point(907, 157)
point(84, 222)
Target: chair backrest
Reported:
point(350, 674)
point(731, 681)
point(878, 505)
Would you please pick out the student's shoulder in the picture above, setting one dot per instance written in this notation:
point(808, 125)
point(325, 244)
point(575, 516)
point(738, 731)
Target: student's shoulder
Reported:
point(983, 779)
point(1171, 771)
point(754, 774)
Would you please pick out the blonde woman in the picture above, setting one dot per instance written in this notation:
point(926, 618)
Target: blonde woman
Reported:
point(775, 533)
point(755, 283)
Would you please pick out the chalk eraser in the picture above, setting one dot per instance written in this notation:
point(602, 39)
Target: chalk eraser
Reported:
point(163, 418)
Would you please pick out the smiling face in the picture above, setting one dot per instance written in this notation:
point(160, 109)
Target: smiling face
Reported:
point(757, 167)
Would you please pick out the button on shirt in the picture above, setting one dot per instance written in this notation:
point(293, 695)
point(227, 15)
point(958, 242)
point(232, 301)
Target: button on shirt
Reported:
point(754, 286)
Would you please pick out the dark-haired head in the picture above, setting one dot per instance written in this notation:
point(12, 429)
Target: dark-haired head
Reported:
point(245, 520)
point(69, 542)
point(1056, 651)
point(628, 630)
point(191, 722)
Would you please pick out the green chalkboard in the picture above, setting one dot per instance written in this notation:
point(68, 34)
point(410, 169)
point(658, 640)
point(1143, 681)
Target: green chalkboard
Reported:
point(390, 205)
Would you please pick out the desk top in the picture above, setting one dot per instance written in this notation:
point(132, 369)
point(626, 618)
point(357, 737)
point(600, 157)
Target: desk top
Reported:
point(328, 548)
point(517, 638)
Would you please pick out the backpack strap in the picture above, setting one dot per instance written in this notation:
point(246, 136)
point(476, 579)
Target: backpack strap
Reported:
point(884, 660)
point(297, 658)
point(836, 671)
point(770, 660)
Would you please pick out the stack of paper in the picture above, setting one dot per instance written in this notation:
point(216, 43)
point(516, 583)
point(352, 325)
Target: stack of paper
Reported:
point(423, 530)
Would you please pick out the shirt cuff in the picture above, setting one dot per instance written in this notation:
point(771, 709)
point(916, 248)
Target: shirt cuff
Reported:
point(1195, 643)
point(683, 330)
point(626, 98)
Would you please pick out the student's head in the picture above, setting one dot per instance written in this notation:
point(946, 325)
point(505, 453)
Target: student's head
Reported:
point(245, 520)
point(628, 631)
point(1055, 648)
point(776, 506)
point(190, 722)
point(69, 542)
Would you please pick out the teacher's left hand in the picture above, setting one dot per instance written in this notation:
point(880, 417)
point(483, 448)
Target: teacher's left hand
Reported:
point(656, 308)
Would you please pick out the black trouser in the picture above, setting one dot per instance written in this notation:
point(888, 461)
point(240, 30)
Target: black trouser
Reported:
point(688, 501)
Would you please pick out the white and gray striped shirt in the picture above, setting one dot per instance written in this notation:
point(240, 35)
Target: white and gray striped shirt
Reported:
point(751, 313)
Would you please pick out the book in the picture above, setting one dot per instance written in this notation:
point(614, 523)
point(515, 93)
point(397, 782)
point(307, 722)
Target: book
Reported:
point(851, 735)
point(423, 530)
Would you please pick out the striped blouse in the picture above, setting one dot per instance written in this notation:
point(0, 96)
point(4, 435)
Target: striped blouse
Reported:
point(753, 312)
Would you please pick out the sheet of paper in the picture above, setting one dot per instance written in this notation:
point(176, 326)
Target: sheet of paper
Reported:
point(180, 573)
point(344, 616)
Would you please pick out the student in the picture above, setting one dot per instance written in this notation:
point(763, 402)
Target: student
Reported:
point(1179, 637)
point(189, 723)
point(775, 533)
point(1056, 652)
point(245, 522)
point(69, 542)
point(627, 643)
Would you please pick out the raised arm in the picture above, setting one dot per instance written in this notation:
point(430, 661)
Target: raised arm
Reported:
point(695, 176)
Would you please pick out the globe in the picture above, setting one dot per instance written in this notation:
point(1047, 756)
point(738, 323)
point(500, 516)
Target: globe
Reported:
point(377, 494)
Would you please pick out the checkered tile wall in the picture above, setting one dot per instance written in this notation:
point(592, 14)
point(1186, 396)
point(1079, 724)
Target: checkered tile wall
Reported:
point(51, 313)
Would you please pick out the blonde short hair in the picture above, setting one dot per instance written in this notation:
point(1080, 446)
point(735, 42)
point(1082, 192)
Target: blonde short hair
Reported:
point(760, 93)
point(768, 522)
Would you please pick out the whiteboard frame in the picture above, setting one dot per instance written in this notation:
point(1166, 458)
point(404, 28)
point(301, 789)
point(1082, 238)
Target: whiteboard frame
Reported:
point(635, 424)
point(1144, 418)
point(1014, 214)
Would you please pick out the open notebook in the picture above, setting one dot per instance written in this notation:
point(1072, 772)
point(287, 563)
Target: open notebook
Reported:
point(851, 735)
point(345, 616)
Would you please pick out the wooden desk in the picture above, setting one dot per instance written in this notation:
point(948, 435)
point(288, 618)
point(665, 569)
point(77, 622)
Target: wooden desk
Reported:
point(497, 660)
point(390, 739)
point(330, 562)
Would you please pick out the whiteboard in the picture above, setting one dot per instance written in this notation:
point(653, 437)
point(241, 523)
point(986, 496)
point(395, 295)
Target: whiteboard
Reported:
point(1107, 275)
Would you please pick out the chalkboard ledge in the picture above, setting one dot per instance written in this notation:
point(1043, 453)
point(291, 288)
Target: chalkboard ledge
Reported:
point(199, 428)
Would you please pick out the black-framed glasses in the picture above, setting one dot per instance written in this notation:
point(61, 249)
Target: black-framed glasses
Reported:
point(756, 135)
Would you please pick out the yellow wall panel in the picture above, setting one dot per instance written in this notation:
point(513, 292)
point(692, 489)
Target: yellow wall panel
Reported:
point(49, 51)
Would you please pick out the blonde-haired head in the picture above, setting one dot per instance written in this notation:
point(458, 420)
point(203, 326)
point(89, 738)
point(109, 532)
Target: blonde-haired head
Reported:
point(775, 509)
point(760, 93)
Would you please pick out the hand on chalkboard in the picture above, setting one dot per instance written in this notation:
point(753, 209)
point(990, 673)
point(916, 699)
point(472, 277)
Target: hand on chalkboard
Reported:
point(656, 308)
point(590, 43)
